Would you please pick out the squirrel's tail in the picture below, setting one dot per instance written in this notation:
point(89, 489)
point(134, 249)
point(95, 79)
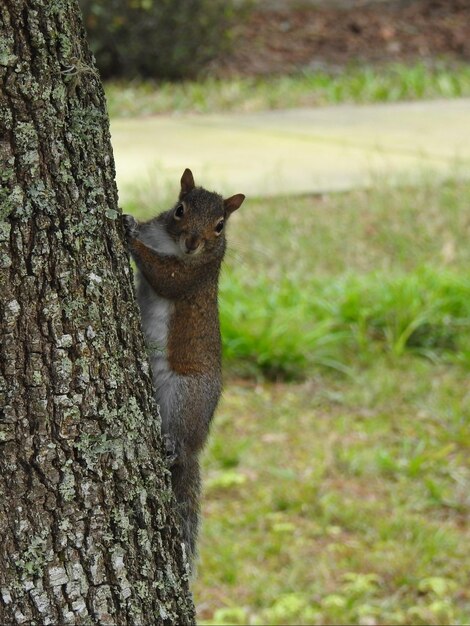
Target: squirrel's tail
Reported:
point(186, 482)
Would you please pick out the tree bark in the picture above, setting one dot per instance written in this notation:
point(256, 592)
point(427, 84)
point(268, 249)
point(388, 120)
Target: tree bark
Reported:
point(87, 529)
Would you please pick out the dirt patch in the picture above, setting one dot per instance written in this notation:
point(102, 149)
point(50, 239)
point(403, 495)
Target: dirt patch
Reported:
point(283, 40)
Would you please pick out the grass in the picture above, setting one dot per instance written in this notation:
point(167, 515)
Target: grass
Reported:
point(286, 329)
point(340, 501)
point(337, 279)
point(342, 497)
point(390, 83)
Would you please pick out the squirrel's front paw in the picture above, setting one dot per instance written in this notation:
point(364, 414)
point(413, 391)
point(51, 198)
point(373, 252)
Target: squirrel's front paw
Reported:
point(130, 226)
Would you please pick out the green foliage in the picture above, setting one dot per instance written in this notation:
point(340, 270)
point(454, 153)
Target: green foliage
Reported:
point(329, 282)
point(391, 83)
point(158, 38)
point(286, 329)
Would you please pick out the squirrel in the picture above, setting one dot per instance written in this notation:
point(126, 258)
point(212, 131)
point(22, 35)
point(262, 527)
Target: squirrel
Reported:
point(178, 255)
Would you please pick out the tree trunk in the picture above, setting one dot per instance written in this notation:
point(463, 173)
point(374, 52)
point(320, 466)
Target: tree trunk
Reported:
point(87, 529)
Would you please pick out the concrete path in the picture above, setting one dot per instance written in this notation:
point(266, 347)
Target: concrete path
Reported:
point(297, 151)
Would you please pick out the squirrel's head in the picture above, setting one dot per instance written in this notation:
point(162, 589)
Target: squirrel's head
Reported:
point(197, 221)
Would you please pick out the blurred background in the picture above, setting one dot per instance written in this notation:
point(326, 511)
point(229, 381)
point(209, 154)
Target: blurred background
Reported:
point(337, 478)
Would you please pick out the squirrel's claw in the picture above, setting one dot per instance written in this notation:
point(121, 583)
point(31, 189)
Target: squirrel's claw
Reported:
point(130, 225)
point(171, 454)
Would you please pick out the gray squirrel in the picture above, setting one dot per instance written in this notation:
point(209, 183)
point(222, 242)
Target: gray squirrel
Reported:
point(178, 255)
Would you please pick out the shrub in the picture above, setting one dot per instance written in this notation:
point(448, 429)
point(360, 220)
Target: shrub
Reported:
point(158, 38)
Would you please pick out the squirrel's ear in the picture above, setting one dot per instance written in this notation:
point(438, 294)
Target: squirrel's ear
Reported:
point(187, 182)
point(233, 203)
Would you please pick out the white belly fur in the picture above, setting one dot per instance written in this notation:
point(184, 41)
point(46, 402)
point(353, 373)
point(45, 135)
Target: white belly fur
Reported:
point(156, 314)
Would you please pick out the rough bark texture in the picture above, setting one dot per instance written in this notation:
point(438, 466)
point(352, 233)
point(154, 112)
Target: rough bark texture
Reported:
point(86, 521)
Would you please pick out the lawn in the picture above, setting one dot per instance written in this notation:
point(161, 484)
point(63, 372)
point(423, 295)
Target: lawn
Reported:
point(339, 501)
point(337, 478)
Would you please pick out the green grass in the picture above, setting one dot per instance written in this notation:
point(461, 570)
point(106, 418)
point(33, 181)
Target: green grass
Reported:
point(330, 281)
point(344, 498)
point(390, 83)
point(286, 329)
point(340, 501)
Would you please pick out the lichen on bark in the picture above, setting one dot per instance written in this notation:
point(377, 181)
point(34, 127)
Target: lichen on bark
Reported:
point(87, 533)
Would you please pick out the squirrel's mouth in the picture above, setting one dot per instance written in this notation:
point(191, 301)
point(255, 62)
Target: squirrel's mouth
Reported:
point(190, 245)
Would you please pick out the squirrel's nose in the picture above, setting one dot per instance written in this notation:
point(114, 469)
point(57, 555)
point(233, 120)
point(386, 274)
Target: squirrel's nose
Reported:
point(192, 243)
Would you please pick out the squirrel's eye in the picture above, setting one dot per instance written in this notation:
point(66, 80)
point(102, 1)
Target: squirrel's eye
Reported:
point(179, 211)
point(220, 226)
